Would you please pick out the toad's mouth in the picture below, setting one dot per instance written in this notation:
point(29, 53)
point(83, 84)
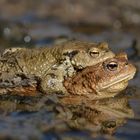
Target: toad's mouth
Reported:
point(122, 79)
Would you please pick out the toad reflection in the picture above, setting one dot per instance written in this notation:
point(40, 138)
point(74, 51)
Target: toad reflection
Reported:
point(104, 115)
point(73, 112)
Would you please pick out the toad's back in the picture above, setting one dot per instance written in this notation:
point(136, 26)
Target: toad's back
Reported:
point(38, 60)
point(31, 61)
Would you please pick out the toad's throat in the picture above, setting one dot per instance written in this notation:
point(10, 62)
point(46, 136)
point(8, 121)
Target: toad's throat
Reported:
point(118, 80)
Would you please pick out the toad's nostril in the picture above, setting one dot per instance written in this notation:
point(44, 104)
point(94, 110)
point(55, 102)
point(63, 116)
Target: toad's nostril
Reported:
point(126, 63)
point(107, 50)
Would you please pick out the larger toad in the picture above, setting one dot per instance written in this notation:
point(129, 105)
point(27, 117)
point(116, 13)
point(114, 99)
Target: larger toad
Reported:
point(103, 80)
point(54, 63)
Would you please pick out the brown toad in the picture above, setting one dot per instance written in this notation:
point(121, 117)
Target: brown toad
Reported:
point(55, 63)
point(103, 80)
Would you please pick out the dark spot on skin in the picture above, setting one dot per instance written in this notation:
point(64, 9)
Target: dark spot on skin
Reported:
point(126, 63)
point(83, 76)
point(98, 78)
point(71, 54)
point(74, 83)
point(83, 84)
point(6, 81)
point(109, 124)
point(77, 70)
point(52, 68)
point(52, 75)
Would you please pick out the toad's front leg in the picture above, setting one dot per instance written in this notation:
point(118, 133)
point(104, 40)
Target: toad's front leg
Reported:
point(53, 80)
point(52, 83)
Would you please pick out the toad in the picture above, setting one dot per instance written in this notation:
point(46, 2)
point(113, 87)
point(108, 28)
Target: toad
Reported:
point(105, 79)
point(53, 64)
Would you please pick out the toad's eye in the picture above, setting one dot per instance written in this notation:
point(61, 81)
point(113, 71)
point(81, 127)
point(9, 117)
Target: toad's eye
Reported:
point(112, 66)
point(94, 53)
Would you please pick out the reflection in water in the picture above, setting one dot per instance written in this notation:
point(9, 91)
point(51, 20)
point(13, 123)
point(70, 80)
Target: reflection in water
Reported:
point(52, 114)
point(105, 114)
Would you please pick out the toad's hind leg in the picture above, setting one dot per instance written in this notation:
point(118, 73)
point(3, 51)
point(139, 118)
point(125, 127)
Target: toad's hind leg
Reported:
point(19, 84)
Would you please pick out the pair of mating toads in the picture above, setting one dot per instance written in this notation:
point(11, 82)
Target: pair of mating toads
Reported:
point(73, 67)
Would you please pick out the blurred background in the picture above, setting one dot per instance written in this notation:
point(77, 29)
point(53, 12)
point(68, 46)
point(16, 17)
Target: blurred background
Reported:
point(37, 23)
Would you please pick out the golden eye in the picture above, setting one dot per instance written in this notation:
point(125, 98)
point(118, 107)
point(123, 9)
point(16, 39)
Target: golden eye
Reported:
point(112, 66)
point(94, 53)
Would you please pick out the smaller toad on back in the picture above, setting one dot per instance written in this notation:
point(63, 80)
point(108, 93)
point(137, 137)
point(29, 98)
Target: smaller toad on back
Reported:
point(53, 64)
point(103, 80)
point(79, 53)
point(82, 54)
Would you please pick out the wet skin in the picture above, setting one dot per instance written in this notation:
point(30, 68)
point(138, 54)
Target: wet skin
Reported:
point(53, 64)
point(106, 79)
